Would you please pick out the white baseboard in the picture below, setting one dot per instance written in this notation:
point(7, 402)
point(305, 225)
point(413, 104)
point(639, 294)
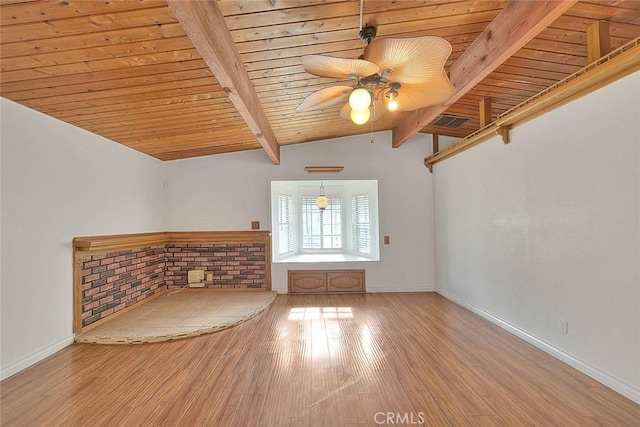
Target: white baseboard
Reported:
point(587, 369)
point(34, 358)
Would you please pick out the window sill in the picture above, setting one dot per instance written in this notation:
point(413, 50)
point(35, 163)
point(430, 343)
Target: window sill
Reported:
point(322, 258)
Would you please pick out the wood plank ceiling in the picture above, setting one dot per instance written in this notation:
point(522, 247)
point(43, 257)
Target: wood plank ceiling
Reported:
point(126, 70)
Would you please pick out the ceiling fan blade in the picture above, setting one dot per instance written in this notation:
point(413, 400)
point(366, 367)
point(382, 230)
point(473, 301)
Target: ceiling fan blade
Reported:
point(338, 68)
point(324, 98)
point(411, 60)
point(345, 111)
point(415, 96)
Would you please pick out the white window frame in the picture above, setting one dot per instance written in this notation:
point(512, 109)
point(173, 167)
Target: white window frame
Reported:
point(327, 211)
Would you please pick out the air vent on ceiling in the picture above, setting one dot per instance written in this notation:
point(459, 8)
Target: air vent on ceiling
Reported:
point(448, 121)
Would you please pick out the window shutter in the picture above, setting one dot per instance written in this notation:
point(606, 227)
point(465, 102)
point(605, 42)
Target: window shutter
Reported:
point(285, 224)
point(360, 223)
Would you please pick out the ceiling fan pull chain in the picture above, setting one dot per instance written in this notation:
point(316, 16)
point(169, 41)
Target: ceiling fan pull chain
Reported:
point(371, 121)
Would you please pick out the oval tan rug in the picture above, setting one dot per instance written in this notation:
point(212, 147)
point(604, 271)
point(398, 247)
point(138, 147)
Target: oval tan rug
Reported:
point(180, 314)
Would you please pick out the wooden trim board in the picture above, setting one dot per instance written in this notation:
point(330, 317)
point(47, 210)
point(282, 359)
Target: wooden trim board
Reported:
point(616, 65)
point(98, 244)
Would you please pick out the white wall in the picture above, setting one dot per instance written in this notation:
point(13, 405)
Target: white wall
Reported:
point(547, 229)
point(59, 182)
point(227, 192)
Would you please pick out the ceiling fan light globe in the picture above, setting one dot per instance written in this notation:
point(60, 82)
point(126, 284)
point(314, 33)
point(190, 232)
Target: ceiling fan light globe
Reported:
point(360, 117)
point(392, 105)
point(360, 99)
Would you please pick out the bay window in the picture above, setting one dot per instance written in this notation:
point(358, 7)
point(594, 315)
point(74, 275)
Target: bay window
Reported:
point(346, 230)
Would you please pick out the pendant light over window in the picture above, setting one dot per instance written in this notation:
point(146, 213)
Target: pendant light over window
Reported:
point(322, 202)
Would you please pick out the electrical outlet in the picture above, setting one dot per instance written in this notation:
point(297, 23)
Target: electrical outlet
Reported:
point(209, 277)
point(386, 240)
point(255, 225)
point(564, 327)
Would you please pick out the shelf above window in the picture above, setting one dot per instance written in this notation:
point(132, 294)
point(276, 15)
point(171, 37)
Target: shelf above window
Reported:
point(324, 169)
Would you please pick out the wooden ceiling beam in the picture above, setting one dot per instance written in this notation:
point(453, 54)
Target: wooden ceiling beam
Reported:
point(598, 41)
point(204, 24)
point(485, 112)
point(517, 24)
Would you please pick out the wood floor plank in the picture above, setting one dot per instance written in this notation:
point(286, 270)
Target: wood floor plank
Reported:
point(319, 360)
point(208, 371)
point(224, 410)
point(455, 398)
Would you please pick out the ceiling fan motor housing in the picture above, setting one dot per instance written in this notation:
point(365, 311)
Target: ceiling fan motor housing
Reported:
point(368, 33)
point(371, 82)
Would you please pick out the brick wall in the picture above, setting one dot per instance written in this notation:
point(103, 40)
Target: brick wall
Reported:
point(113, 281)
point(240, 265)
point(116, 280)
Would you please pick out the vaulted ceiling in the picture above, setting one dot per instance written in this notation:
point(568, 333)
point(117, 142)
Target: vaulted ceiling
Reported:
point(168, 78)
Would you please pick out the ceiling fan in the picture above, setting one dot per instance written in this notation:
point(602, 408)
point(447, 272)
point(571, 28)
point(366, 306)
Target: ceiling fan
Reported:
point(403, 74)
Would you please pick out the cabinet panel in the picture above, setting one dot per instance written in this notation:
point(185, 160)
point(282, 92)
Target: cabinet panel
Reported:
point(326, 281)
point(307, 282)
point(345, 281)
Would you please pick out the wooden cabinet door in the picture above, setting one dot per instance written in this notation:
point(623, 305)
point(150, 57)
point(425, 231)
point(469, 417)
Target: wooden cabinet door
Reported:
point(345, 281)
point(307, 282)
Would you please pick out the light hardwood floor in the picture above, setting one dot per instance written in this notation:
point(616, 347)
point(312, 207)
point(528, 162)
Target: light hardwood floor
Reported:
point(319, 361)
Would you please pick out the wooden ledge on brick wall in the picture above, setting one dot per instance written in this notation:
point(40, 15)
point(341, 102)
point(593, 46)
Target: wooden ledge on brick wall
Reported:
point(140, 240)
point(217, 236)
point(118, 241)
